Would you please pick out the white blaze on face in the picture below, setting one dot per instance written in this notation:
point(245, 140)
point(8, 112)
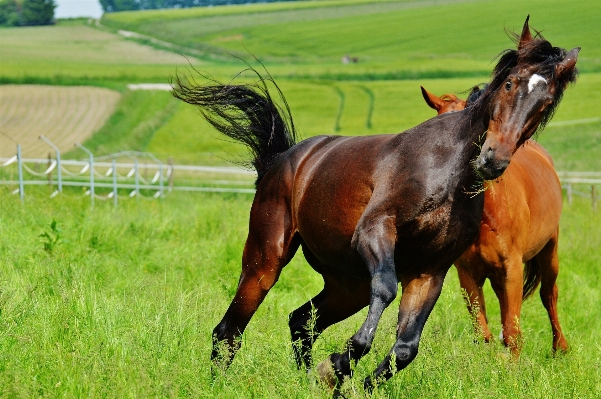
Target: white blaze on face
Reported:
point(534, 79)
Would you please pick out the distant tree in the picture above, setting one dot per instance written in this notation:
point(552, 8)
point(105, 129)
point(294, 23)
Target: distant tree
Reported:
point(9, 13)
point(108, 5)
point(37, 12)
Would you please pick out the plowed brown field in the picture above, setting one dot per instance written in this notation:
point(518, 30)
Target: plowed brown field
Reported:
point(64, 115)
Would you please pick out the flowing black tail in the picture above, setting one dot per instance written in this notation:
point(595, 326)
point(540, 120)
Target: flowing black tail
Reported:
point(246, 113)
point(532, 277)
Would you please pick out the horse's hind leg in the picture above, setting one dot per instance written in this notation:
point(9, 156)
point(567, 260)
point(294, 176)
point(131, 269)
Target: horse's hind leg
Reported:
point(340, 298)
point(549, 267)
point(269, 247)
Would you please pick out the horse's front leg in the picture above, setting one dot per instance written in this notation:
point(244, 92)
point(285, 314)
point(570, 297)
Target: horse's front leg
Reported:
point(471, 278)
point(376, 247)
point(420, 293)
point(508, 285)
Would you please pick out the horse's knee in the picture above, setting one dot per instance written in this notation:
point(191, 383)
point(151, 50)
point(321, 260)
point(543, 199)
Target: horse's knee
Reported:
point(385, 286)
point(219, 332)
point(297, 324)
point(404, 353)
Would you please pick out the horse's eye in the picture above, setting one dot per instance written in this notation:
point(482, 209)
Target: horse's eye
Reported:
point(508, 85)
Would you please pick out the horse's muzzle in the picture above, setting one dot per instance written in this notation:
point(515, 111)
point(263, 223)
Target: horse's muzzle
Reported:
point(489, 166)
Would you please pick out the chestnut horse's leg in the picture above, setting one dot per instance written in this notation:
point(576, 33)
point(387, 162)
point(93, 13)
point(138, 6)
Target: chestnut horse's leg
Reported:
point(475, 295)
point(548, 262)
point(420, 293)
point(507, 283)
point(269, 247)
point(340, 298)
point(375, 242)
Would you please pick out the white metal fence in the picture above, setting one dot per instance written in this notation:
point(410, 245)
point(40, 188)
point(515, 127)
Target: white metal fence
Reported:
point(142, 175)
point(120, 175)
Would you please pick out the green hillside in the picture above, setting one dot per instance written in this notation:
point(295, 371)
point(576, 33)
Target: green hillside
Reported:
point(446, 46)
point(75, 52)
point(454, 37)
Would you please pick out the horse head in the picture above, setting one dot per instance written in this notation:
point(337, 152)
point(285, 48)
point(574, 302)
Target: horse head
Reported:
point(444, 103)
point(526, 87)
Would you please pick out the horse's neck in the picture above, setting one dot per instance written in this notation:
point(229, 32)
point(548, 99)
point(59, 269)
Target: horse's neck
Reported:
point(468, 138)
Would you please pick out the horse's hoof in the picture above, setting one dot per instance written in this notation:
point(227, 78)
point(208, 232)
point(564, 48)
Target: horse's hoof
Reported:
point(326, 374)
point(561, 349)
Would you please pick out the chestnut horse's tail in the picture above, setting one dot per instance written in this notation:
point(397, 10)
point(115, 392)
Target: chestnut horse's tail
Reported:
point(245, 113)
point(532, 277)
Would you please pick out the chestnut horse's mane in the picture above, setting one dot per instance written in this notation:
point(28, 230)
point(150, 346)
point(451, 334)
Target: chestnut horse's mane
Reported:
point(536, 52)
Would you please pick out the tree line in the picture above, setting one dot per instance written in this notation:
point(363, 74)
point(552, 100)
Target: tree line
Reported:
point(128, 5)
point(26, 12)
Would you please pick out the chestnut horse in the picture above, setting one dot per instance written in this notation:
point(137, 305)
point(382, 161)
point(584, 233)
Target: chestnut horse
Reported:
point(370, 212)
point(520, 224)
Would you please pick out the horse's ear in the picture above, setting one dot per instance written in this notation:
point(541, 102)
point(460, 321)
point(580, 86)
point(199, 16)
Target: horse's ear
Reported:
point(526, 36)
point(568, 64)
point(433, 101)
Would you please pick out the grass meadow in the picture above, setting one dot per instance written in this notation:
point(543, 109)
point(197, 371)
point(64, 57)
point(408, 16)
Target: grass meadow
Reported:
point(121, 302)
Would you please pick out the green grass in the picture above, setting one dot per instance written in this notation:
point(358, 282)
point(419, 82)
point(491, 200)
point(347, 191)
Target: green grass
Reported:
point(74, 53)
point(131, 127)
point(446, 47)
point(397, 106)
point(393, 36)
point(124, 303)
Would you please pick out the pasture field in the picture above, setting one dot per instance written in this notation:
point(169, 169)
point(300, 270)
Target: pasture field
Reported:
point(391, 38)
point(133, 124)
point(63, 114)
point(379, 94)
point(364, 108)
point(122, 302)
point(76, 53)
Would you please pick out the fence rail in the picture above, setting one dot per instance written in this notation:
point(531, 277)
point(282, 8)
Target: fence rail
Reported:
point(142, 175)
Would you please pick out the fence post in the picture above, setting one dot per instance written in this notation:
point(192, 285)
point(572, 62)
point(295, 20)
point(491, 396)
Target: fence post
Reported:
point(137, 178)
point(161, 184)
point(115, 182)
point(58, 163)
point(91, 171)
point(569, 193)
point(594, 197)
point(20, 169)
point(170, 171)
point(50, 172)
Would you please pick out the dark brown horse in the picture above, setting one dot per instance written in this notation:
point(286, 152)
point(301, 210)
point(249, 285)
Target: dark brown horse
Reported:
point(370, 212)
point(520, 224)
